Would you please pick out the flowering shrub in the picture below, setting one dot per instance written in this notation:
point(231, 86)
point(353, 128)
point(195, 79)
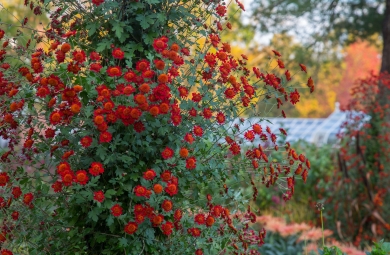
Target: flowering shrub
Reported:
point(119, 118)
point(356, 200)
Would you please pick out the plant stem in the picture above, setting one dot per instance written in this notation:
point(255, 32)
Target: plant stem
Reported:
point(322, 226)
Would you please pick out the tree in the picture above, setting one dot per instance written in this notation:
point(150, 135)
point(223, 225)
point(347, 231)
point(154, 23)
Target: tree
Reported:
point(327, 23)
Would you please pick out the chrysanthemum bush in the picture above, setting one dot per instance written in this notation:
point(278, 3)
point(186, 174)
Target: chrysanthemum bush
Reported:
point(356, 197)
point(119, 119)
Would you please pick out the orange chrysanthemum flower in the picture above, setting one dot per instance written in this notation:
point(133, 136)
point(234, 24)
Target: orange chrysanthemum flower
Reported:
point(162, 78)
point(167, 205)
point(114, 71)
point(157, 188)
point(183, 152)
point(149, 174)
point(96, 168)
point(131, 228)
point(116, 210)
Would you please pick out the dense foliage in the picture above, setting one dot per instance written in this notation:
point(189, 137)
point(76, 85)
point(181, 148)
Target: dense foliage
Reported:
point(119, 119)
point(356, 200)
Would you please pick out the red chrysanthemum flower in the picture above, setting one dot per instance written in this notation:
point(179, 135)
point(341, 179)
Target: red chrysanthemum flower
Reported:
point(167, 153)
point(199, 252)
point(171, 189)
point(81, 177)
point(114, 71)
point(221, 10)
point(159, 64)
point(98, 196)
point(157, 220)
point(257, 129)
point(230, 93)
point(210, 59)
point(57, 186)
point(16, 192)
point(105, 137)
point(42, 91)
point(94, 56)
point(183, 91)
point(15, 215)
point(221, 55)
point(159, 45)
point(6, 252)
point(141, 191)
point(210, 221)
point(176, 119)
point(217, 210)
point(178, 215)
point(79, 56)
point(167, 205)
point(49, 133)
point(196, 97)
point(157, 188)
point(154, 110)
point(139, 218)
point(4, 179)
point(116, 210)
point(163, 78)
point(28, 143)
point(166, 176)
point(167, 228)
point(139, 127)
point(195, 232)
point(97, 2)
point(221, 118)
point(95, 67)
point(130, 76)
point(294, 97)
point(118, 53)
point(249, 135)
point(86, 141)
point(142, 65)
point(55, 117)
point(183, 152)
point(96, 169)
point(198, 131)
point(191, 163)
point(207, 113)
point(62, 167)
point(185, 51)
point(235, 148)
point(67, 177)
point(149, 174)
point(214, 38)
point(189, 138)
point(131, 227)
point(28, 198)
point(200, 219)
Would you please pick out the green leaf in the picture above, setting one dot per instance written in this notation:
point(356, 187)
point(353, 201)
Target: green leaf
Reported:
point(102, 46)
point(118, 28)
point(152, 1)
point(110, 220)
point(123, 242)
point(109, 193)
point(93, 215)
point(145, 21)
point(91, 27)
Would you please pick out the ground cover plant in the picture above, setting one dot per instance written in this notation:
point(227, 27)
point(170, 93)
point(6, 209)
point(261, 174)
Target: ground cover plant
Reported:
point(119, 120)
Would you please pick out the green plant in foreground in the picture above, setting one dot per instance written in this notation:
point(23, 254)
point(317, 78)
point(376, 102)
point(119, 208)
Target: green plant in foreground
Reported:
point(381, 248)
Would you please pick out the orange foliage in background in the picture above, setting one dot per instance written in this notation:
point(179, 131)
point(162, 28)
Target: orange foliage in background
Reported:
point(361, 58)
